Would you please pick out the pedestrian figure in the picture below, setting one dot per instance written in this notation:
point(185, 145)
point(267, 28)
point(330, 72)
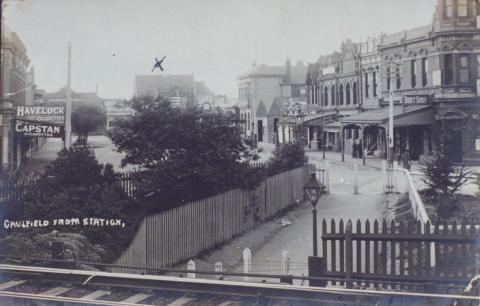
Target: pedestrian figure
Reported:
point(354, 149)
point(360, 149)
point(406, 159)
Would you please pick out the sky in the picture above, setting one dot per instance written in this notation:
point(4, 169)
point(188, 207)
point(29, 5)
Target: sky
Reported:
point(216, 40)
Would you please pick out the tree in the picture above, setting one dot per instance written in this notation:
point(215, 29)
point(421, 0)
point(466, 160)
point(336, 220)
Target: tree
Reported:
point(441, 175)
point(186, 154)
point(287, 157)
point(85, 119)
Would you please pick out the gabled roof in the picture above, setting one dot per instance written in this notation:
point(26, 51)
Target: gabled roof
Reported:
point(276, 108)
point(261, 109)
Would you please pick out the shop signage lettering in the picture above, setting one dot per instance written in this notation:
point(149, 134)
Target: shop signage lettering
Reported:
point(42, 113)
point(296, 110)
point(35, 129)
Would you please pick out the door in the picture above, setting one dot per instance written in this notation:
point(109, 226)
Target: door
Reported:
point(260, 130)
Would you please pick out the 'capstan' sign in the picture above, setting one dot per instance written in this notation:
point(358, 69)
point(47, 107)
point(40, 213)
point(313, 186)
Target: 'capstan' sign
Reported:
point(27, 128)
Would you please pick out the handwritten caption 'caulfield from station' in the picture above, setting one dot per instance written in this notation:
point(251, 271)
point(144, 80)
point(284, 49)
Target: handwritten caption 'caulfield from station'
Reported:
point(94, 222)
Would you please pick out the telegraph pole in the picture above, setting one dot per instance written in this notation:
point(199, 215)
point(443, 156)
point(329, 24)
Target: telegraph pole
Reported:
point(68, 104)
point(390, 126)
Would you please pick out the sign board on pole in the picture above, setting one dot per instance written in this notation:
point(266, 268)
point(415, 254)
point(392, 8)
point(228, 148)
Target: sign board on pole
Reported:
point(38, 129)
point(54, 114)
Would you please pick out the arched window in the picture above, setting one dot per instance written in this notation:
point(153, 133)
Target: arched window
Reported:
point(354, 93)
point(333, 95)
point(325, 96)
point(340, 94)
point(347, 89)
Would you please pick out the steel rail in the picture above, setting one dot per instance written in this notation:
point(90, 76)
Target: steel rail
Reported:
point(216, 286)
point(405, 280)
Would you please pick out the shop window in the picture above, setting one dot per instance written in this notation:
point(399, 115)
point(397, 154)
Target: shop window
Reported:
point(424, 71)
point(464, 69)
point(413, 73)
point(349, 133)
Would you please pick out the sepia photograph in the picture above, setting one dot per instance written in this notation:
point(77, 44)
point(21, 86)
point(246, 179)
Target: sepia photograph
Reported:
point(240, 152)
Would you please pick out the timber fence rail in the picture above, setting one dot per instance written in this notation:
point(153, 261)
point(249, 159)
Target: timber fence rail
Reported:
point(393, 253)
point(418, 207)
point(170, 237)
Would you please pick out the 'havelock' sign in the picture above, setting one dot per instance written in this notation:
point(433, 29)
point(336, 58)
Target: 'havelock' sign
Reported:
point(38, 129)
point(54, 114)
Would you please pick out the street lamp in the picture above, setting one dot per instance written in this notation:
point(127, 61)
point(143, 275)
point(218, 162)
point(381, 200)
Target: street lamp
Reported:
point(313, 190)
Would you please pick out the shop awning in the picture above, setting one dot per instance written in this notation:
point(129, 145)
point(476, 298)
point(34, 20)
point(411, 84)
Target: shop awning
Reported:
point(318, 119)
point(403, 116)
point(332, 127)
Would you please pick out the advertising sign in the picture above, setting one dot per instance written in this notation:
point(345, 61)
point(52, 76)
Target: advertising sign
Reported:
point(54, 114)
point(296, 110)
point(38, 129)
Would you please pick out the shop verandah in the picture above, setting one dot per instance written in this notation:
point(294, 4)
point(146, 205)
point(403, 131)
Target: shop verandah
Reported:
point(367, 132)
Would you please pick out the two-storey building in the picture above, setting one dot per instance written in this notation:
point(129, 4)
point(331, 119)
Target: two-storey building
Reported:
point(432, 75)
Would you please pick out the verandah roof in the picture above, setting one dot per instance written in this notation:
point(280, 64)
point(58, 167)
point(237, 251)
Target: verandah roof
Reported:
point(403, 116)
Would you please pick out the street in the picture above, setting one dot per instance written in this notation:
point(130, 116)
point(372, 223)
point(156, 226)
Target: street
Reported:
point(268, 240)
point(102, 145)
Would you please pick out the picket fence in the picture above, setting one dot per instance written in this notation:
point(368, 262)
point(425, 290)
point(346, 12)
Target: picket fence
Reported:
point(170, 237)
point(399, 255)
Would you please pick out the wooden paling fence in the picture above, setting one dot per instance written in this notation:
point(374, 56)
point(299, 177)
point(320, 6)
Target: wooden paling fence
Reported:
point(13, 190)
point(404, 255)
point(175, 235)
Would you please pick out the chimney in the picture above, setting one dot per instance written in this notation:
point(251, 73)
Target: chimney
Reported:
point(288, 67)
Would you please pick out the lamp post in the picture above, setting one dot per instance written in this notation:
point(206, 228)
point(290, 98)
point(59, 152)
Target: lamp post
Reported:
point(313, 191)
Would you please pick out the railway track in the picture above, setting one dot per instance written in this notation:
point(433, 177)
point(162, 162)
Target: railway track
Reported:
point(28, 285)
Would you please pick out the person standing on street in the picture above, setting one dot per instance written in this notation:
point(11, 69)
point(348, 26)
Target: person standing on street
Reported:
point(406, 160)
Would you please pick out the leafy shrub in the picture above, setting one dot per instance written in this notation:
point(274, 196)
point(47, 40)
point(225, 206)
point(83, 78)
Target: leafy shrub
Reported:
point(287, 157)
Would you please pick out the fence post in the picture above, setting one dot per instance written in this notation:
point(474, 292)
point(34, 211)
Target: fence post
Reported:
point(285, 262)
point(355, 177)
point(191, 267)
point(286, 268)
point(316, 268)
point(219, 268)
point(348, 255)
point(247, 262)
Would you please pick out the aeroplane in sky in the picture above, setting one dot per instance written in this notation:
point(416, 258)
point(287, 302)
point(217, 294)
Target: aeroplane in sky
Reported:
point(158, 64)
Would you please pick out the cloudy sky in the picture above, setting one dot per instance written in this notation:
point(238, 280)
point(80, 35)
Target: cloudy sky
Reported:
point(216, 40)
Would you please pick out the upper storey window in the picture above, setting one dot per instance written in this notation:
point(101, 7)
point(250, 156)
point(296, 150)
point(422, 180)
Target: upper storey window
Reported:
point(464, 68)
point(462, 8)
point(448, 69)
point(448, 8)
